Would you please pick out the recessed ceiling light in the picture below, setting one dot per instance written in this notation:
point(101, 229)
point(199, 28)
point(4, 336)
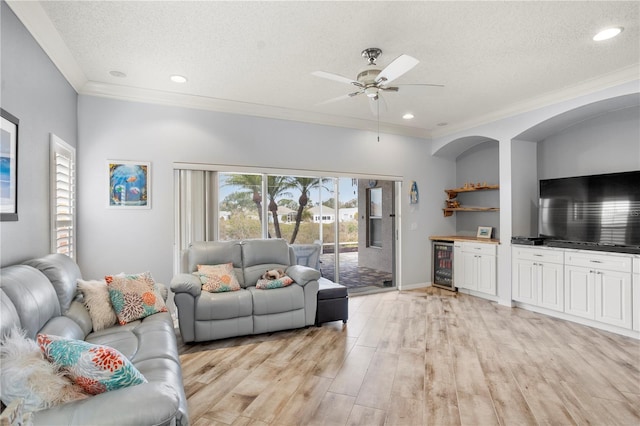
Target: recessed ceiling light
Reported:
point(408, 116)
point(442, 124)
point(118, 74)
point(178, 79)
point(608, 33)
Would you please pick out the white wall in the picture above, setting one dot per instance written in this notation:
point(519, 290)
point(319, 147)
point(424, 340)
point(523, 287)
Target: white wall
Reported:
point(34, 91)
point(604, 144)
point(478, 165)
point(137, 240)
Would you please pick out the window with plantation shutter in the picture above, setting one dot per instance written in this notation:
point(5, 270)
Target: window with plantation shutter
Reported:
point(63, 197)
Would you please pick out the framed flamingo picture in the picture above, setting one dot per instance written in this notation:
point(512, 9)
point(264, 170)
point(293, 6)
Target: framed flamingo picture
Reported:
point(129, 184)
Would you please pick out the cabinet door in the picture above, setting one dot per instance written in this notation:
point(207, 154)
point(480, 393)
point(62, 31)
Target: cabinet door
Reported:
point(458, 265)
point(524, 279)
point(613, 298)
point(486, 275)
point(551, 286)
point(468, 279)
point(579, 291)
point(635, 295)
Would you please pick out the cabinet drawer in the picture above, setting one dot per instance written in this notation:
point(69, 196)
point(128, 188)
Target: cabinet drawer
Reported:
point(539, 254)
point(609, 262)
point(479, 248)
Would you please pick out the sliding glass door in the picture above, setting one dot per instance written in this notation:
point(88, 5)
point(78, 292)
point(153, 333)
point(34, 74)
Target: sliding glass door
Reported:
point(352, 218)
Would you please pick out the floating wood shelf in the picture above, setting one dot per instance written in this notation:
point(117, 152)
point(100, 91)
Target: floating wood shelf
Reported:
point(449, 211)
point(453, 193)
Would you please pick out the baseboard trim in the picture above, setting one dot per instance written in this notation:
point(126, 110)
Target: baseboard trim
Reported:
point(414, 286)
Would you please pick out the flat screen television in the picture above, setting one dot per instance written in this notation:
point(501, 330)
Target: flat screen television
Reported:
point(598, 209)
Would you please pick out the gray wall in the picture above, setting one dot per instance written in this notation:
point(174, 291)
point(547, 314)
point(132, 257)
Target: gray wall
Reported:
point(478, 164)
point(137, 240)
point(605, 144)
point(36, 93)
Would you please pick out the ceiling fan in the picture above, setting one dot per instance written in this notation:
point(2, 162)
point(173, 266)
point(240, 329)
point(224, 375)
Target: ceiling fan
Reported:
point(373, 80)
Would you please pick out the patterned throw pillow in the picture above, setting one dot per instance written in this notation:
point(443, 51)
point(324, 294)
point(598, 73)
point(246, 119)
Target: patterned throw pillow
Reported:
point(269, 284)
point(28, 376)
point(133, 296)
point(218, 278)
point(95, 368)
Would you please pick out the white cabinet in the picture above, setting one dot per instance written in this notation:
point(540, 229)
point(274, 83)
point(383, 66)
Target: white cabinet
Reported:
point(538, 277)
point(635, 293)
point(475, 267)
point(598, 286)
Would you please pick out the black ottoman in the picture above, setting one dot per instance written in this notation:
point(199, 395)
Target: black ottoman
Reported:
point(333, 302)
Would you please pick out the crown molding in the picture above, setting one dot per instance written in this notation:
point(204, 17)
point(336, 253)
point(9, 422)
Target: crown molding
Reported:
point(134, 94)
point(36, 21)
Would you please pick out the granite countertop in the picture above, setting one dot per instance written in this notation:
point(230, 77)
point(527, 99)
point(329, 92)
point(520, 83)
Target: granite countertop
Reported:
point(453, 238)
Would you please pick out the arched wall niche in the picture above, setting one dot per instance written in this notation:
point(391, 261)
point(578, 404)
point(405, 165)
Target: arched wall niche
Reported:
point(600, 137)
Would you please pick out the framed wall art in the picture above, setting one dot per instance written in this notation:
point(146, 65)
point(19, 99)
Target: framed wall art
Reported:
point(129, 184)
point(484, 232)
point(8, 167)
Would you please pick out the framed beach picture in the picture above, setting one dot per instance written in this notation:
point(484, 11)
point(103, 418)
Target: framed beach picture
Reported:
point(8, 167)
point(129, 184)
point(484, 232)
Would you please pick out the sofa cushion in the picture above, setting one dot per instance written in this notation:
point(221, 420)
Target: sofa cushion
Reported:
point(133, 296)
point(96, 368)
point(215, 253)
point(277, 300)
point(63, 273)
point(141, 340)
point(31, 294)
point(8, 315)
point(215, 306)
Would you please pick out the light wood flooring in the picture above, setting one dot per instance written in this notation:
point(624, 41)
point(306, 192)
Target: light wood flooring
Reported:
point(421, 357)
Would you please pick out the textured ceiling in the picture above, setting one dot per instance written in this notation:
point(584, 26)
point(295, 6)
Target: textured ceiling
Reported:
point(494, 58)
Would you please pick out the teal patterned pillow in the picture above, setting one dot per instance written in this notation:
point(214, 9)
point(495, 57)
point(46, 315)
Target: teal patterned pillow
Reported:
point(95, 368)
point(265, 284)
point(133, 296)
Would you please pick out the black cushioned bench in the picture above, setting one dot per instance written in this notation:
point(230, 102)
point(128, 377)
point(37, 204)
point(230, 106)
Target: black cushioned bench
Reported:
point(333, 302)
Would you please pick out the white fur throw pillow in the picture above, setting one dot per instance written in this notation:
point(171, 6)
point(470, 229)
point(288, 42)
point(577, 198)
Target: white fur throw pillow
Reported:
point(28, 375)
point(98, 303)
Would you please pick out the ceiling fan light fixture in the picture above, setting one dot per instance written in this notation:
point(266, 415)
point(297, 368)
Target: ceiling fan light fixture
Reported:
point(371, 92)
point(607, 33)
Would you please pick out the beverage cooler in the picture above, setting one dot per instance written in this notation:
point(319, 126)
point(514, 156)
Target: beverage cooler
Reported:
point(443, 265)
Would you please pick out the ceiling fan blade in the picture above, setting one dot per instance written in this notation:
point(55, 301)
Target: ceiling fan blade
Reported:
point(335, 77)
point(339, 98)
point(396, 68)
point(421, 84)
point(390, 89)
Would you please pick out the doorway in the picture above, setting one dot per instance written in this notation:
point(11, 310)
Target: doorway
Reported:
point(362, 258)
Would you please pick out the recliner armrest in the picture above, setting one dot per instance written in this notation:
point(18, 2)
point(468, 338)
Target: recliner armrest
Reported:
point(302, 274)
point(186, 283)
point(160, 403)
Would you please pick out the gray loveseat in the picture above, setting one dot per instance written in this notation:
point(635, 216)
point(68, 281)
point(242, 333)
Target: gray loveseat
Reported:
point(207, 316)
point(40, 296)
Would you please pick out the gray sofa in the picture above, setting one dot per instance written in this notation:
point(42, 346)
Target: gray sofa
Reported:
point(40, 296)
point(204, 316)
